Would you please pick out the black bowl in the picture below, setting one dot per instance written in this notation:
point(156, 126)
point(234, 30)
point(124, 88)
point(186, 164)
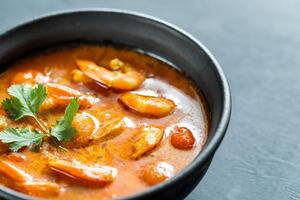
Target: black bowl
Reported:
point(153, 36)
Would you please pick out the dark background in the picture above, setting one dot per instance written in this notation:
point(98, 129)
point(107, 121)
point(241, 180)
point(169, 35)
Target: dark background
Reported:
point(257, 42)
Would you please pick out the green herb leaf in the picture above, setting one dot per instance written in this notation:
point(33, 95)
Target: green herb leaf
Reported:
point(63, 130)
point(18, 138)
point(25, 100)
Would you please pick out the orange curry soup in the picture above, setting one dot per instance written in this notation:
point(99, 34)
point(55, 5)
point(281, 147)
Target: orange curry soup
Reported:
point(139, 123)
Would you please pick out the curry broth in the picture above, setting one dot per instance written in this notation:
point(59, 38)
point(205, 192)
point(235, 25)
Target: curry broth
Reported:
point(161, 79)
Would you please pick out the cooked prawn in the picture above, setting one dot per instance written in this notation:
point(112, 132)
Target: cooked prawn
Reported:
point(86, 125)
point(60, 95)
point(23, 182)
point(128, 79)
point(148, 138)
point(95, 127)
point(111, 129)
point(148, 105)
point(98, 174)
point(16, 157)
point(112, 122)
point(30, 76)
point(115, 64)
point(13, 173)
point(39, 188)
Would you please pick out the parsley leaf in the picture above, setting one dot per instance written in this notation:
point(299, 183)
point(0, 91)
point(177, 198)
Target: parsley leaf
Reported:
point(18, 138)
point(25, 100)
point(63, 130)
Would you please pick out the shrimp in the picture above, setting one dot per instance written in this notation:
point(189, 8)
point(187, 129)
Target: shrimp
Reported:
point(111, 129)
point(86, 125)
point(148, 105)
point(98, 174)
point(13, 173)
point(112, 124)
point(30, 76)
point(96, 126)
point(39, 188)
point(60, 95)
point(128, 79)
point(24, 182)
point(16, 157)
point(148, 138)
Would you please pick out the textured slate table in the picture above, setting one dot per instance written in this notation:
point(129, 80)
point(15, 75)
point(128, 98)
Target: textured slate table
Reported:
point(258, 44)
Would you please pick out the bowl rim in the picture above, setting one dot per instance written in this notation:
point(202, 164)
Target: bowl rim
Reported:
point(210, 147)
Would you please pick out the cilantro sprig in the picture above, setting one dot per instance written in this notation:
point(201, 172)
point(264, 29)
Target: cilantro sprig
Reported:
point(63, 130)
point(26, 102)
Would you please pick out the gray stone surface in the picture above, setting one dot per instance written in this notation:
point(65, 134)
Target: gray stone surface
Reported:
point(258, 44)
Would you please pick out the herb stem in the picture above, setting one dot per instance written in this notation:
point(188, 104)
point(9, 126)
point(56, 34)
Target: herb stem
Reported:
point(47, 133)
point(43, 128)
point(55, 143)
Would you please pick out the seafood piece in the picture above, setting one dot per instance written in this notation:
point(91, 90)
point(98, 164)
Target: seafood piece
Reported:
point(148, 105)
point(128, 79)
point(86, 125)
point(92, 154)
point(39, 188)
point(111, 128)
point(10, 171)
point(60, 95)
point(16, 157)
point(112, 122)
point(115, 64)
point(96, 126)
point(23, 182)
point(30, 76)
point(97, 174)
point(183, 138)
point(148, 138)
point(156, 173)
